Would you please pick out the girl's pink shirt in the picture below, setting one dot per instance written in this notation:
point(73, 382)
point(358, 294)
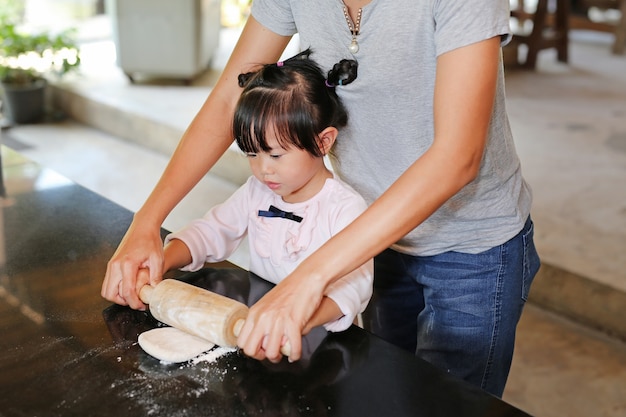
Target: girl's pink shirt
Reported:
point(278, 245)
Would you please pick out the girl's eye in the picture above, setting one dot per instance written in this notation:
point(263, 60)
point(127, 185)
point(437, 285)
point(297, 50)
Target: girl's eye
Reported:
point(274, 156)
point(251, 155)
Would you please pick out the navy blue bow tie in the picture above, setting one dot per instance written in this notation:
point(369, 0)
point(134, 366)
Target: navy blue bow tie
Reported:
point(276, 212)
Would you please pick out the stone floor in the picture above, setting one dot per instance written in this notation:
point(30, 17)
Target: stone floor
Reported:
point(570, 127)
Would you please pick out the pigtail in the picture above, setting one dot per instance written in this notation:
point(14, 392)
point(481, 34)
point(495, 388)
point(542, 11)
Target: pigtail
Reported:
point(342, 73)
point(244, 79)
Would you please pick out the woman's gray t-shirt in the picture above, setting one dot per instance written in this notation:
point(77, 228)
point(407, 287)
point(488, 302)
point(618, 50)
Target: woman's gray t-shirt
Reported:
point(390, 108)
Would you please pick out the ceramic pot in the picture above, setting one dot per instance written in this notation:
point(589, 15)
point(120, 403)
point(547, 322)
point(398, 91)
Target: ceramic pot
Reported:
point(24, 104)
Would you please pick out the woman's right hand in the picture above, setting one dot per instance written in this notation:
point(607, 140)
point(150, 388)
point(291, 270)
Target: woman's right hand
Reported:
point(141, 248)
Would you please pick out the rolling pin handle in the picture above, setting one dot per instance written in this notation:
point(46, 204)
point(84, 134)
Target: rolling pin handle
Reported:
point(237, 327)
point(145, 293)
point(284, 349)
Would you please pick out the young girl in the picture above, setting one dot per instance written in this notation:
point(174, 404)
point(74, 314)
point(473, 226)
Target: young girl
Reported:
point(286, 121)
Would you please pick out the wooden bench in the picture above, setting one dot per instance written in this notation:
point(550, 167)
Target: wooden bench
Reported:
point(551, 21)
point(580, 19)
point(550, 29)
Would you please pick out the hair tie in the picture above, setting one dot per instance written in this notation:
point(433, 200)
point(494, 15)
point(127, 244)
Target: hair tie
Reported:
point(329, 85)
point(279, 64)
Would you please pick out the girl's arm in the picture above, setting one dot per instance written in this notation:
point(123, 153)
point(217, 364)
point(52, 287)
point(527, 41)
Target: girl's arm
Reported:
point(327, 311)
point(205, 140)
point(463, 101)
point(176, 254)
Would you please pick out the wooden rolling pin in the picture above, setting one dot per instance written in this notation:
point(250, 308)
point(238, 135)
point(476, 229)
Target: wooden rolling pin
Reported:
point(197, 311)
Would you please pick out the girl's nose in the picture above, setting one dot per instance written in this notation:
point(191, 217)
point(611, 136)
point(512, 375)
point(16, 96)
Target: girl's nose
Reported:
point(265, 165)
point(262, 166)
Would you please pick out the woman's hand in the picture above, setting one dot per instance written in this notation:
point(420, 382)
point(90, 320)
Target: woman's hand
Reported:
point(141, 248)
point(280, 317)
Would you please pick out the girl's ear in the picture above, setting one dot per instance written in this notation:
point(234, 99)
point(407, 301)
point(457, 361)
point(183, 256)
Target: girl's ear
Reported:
point(326, 139)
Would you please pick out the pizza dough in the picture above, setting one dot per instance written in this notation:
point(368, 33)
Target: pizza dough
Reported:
point(170, 344)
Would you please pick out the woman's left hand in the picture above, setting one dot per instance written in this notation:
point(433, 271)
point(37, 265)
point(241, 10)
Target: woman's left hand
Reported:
point(280, 317)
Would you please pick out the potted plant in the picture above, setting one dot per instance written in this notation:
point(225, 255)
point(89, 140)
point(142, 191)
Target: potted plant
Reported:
point(27, 60)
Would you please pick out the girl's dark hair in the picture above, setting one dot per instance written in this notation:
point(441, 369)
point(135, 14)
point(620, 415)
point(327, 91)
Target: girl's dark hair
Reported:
point(294, 99)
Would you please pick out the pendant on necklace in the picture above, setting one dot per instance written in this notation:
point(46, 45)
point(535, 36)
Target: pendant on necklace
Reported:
point(354, 47)
point(354, 29)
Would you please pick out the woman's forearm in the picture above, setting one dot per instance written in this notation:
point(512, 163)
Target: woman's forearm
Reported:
point(406, 204)
point(209, 134)
point(200, 147)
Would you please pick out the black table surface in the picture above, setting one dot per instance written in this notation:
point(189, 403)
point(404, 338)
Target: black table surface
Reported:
point(65, 351)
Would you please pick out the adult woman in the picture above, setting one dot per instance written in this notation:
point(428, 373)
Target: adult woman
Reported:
point(428, 146)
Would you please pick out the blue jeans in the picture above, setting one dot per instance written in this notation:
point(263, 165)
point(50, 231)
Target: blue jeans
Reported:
point(457, 311)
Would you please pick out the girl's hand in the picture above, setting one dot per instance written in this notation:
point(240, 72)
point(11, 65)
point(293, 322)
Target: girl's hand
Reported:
point(141, 248)
point(280, 316)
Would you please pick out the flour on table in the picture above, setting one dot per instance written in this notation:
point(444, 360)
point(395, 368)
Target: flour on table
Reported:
point(170, 344)
point(212, 356)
